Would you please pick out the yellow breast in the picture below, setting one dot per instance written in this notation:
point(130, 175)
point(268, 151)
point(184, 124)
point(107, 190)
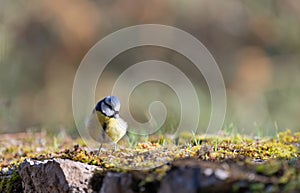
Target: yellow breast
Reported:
point(115, 128)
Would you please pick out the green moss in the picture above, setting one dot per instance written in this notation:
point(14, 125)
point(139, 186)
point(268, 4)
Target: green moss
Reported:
point(192, 145)
point(232, 147)
point(144, 155)
point(257, 187)
point(288, 137)
point(270, 168)
point(2, 185)
point(11, 183)
point(292, 186)
point(289, 175)
point(158, 150)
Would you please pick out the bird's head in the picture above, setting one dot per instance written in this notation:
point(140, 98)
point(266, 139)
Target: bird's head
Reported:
point(109, 106)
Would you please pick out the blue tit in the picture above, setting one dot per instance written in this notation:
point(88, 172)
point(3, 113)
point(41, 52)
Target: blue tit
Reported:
point(107, 111)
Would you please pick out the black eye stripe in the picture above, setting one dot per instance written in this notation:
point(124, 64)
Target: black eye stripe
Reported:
point(115, 112)
point(108, 105)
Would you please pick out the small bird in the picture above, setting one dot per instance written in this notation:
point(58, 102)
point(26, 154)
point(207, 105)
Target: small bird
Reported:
point(113, 127)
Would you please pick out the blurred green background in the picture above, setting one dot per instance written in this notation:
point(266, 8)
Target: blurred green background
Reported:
point(255, 43)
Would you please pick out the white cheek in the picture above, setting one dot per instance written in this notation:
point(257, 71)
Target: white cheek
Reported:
point(106, 110)
point(109, 112)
